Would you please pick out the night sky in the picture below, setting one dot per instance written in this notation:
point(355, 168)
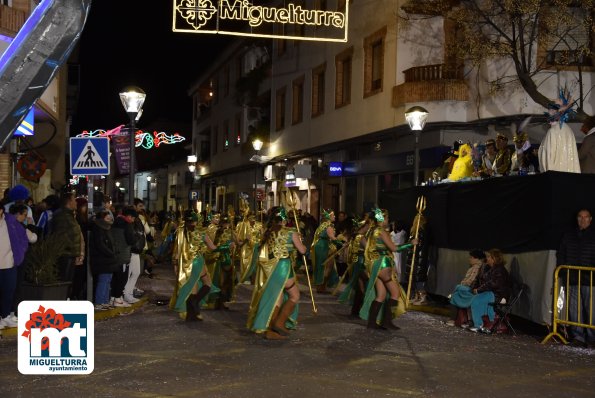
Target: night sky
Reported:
point(130, 42)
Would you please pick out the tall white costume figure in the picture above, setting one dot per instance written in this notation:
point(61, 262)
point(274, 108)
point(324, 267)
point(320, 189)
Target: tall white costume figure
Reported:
point(558, 148)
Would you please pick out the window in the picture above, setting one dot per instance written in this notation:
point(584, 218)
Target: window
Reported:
point(343, 78)
point(318, 90)
point(238, 129)
point(215, 139)
point(280, 109)
point(297, 104)
point(573, 44)
point(225, 135)
point(374, 62)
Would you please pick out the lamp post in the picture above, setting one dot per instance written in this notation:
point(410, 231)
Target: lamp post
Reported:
point(132, 99)
point(191, 160)
point(148, 193)
point(257, 145)
point(416, 117)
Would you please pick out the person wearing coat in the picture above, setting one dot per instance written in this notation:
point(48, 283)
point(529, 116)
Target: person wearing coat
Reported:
point(103, 255)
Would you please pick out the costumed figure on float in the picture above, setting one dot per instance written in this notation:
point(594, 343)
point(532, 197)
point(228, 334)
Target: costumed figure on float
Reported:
point(558, 148)
point(463, 166)
point(325, 245)
point(274, 305)
point(384, 298)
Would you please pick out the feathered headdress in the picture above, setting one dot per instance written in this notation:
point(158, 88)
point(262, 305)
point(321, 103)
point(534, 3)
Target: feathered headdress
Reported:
point(561, 109)
point(326, 213)
point(379, 214)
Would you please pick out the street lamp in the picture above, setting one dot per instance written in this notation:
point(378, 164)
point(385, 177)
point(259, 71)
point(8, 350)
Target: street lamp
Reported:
point(416, 117)
point(132, 99)
point(148, 193)
point(192, 159)
point(257, 145)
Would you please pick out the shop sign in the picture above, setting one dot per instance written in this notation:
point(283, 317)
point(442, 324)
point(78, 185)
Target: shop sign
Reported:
point(335, 169)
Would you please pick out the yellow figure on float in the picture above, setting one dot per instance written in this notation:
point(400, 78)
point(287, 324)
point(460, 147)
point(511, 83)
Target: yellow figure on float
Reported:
point(463, 166)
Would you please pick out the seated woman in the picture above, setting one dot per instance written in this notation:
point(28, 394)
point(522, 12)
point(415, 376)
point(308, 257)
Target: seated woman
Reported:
point(492, 287)
point(462, 295)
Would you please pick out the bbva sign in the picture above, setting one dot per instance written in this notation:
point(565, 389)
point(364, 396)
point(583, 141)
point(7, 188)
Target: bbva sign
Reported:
point(245, 18)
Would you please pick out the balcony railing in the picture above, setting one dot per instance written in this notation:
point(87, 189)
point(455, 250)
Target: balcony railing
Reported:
point(440, 82)
point(11, 20)
point(433, 72)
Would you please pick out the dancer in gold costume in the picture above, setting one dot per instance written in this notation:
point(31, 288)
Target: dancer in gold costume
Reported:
point(274, 306)
point(324, 245)
point(384, 298)
point(193, 280)
point(218, 260)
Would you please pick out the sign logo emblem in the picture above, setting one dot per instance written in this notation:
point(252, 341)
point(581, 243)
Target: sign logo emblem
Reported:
point(56, 337)
point(196, 12)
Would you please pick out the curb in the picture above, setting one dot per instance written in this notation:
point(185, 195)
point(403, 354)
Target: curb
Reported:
point(99, 315)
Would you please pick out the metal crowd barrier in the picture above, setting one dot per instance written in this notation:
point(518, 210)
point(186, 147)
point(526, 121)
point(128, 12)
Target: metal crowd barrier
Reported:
point(561, 308)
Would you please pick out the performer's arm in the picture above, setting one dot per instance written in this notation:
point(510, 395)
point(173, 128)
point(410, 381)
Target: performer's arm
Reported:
point(297, 242)
point(209, 242)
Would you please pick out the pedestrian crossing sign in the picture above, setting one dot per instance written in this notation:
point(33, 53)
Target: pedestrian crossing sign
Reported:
point(89, 156)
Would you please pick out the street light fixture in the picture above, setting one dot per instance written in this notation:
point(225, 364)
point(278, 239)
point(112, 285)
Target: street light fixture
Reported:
point(192, 159)
point(416, 117)
point(148, 193)
point(257, 145)
point(132, 99)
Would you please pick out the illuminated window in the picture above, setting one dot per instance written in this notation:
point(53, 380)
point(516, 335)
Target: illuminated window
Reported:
point(318, 90)
point(343, 63)
point(280, 109)
point(297, 104)
point(374, 62)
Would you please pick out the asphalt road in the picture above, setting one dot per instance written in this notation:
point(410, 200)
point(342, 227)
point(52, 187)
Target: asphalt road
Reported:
point(150, 352)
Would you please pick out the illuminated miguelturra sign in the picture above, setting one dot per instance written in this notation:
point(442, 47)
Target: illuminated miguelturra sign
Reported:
point(260, 19)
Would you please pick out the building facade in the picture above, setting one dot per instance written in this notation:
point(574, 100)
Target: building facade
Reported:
point(336, 111)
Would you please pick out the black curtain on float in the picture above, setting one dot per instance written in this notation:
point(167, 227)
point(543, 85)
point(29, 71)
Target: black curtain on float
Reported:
point(516, 214)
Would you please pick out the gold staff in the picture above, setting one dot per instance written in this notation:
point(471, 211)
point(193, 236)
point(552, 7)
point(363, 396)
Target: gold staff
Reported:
point(292, 202)
point(420, 206)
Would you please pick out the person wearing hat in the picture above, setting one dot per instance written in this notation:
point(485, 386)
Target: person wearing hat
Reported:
point(488, 158)
point(586, 153)
point(502, 162)
point(524, 157)
point(16, 195)
point(462, 295)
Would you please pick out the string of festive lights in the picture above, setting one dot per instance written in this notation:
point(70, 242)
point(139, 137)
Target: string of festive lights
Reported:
point(142, 138)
